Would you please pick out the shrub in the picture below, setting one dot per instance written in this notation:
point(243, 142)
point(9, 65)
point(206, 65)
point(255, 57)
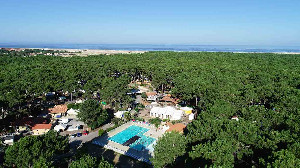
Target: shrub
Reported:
point(74, 105)
point(101, 132)
point(166, 120)
point(175, 121)
point(156, 121)
point(111, 128)
point(144, 96)
point(139, 119)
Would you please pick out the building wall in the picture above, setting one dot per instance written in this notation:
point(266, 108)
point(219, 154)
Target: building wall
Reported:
point(40, 131)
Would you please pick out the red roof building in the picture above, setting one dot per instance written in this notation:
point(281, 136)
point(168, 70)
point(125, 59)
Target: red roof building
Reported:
point(179, 127)
point(41, 126)
point(58, 109)
point(30, 121)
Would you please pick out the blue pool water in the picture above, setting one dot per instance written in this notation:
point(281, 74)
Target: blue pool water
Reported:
point(125, 135)
point(142, 143)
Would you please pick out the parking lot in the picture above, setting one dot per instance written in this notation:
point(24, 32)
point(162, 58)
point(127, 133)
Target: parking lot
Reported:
point(72, 126)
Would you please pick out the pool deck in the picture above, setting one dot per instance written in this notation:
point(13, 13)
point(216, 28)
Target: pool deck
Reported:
point(143, 155)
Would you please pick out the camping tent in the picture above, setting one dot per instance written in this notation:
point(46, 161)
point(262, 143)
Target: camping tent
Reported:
point(72, 112)
point(187, 110)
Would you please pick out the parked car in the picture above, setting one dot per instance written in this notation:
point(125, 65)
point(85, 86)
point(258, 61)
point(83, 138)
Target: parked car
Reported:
point(79, 134)
point(85, 132)
point(80, 126)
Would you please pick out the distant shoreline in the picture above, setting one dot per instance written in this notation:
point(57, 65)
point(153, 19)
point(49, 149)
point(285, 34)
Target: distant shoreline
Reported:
point(86, 52)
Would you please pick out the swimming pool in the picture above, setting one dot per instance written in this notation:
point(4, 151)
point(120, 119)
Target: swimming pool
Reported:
point(142, 143)
point(133, 137)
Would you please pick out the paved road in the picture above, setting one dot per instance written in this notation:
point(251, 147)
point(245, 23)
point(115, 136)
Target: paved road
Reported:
point(139, 99)
point(78, 141)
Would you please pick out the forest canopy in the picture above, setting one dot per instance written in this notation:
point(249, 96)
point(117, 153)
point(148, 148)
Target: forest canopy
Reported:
point(261, 89)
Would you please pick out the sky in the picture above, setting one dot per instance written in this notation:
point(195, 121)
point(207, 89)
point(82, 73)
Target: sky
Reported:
point(204, 22)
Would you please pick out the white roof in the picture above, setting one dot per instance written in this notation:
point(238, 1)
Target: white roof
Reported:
point(119, 114)
point(191, 116)
point(72, 111)
point(186, 108)
point(60, 126)
point(73, 128)
point(176, 114)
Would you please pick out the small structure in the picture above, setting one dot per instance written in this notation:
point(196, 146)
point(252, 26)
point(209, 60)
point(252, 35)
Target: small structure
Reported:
point(8, 140)
point(50, 94)
point(235, 118)
point(72, 112)
point(60, 127)
point(133, 91)
point(73, 128)
point(79, 101)
point(62, 98)
point(153, 104)
point(58, 110)
point(40, 129)
point(187, 110)
point(63, 120)
point(168, 98)
point(166, 113)
point(119, 114)
point(151, 96)
point(179, 127)
point(28, 122)
point(191, 116)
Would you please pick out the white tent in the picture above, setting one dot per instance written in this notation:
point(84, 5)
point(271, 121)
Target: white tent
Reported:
point(191, 116)
point(60, 127)
point(63, 120)
point(166, 113)
point(120, 114)
point(73, 128)
point(72, 112)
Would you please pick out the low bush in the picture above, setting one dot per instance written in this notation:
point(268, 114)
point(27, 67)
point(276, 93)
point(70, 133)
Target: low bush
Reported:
point(176, 121)
point(101, 132)
point(111, 128)
point(166, 120)
point(139, 119)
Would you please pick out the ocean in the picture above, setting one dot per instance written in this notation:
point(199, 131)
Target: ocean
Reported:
point(163, 47)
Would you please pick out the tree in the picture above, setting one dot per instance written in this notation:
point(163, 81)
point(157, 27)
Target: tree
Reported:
point(285, 158)
point(88, 161)
point(36, 150)
point(144, 96)
point(168, 148)
point(156, 121)
point(262, 89)
point(92, 114)
point(127, 116)
point(105, 164)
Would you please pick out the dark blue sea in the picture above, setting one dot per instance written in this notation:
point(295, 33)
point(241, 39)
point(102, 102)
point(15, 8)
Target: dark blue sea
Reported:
point(163, 47)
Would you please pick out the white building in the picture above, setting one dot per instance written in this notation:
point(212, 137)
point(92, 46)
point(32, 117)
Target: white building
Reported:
point(119, 114)
point(151, 96)
point(166, 113)
point(60, 127)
